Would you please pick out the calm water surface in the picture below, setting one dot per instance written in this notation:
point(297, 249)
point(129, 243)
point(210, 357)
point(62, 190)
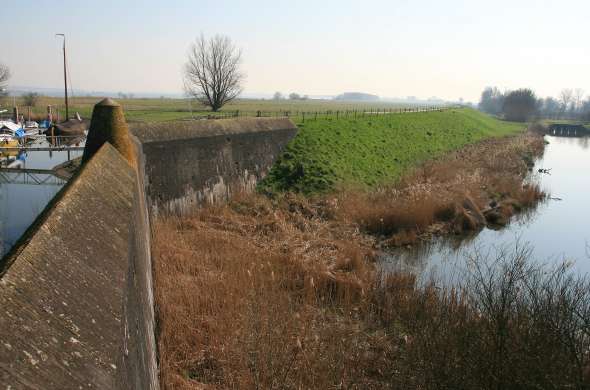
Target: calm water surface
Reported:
point(23, 196)
point(557, 231)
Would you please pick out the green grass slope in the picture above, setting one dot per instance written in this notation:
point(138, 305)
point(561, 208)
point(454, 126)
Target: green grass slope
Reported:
point(375, 149)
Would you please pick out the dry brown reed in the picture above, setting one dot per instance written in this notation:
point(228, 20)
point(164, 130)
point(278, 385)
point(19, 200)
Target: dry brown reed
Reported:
point(251, 296)
point(245, 307)
point(486, 175)
point(283, 294)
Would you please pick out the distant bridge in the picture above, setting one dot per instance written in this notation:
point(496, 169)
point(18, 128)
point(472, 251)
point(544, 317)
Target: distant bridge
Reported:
point(44, 177)
point(41, 148)
point(568, 130)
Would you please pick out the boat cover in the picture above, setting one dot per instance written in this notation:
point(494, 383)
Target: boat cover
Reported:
point(9, 125)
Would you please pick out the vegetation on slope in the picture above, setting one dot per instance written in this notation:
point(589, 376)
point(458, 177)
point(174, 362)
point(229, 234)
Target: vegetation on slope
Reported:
point(374, 149)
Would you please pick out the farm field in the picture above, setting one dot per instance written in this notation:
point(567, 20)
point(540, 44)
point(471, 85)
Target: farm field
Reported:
point(339, 143)
point(165, 109)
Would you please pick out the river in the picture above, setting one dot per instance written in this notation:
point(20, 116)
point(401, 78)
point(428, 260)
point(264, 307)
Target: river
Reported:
point(557, 230)
point(24, 195)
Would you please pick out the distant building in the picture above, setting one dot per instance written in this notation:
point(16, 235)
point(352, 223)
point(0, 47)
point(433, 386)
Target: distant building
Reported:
point(357, 96)
point(435, 100)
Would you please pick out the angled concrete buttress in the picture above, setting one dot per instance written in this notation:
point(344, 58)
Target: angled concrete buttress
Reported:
point(108, 125)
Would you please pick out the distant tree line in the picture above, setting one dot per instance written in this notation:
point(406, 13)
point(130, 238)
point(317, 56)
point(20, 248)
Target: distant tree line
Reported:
point(522, 104)
point(4, 76)
point(122, 95)
point(292, 96)
point(31, 99)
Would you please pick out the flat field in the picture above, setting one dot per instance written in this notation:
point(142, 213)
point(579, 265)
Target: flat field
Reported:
point(164, 109)
point(339, 143)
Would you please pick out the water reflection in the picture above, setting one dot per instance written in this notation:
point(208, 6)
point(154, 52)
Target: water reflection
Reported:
point(557, 230)
point(23, 195)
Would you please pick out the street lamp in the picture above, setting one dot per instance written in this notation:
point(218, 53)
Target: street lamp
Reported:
point(65, 74)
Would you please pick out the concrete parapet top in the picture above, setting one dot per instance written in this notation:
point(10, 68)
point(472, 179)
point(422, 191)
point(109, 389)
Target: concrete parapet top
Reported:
point(152, 132)
point(108, 102)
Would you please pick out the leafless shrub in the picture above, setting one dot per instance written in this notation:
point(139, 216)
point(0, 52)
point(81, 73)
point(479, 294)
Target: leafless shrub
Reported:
point(512, 323)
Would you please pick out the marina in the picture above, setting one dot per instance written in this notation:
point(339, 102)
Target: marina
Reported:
point(29, 180)
point(36, 161)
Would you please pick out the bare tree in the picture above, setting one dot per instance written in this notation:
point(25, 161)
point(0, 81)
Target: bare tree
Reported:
point(578, 98)
point(566, 98)
point(212, 74)
point(4, 76)
point(492, 100)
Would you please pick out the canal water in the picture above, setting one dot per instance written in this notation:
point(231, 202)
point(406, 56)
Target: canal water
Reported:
point(557, 231)
point(24, 195)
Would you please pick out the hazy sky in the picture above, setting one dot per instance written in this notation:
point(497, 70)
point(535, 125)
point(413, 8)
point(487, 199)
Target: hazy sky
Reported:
point(448, 49)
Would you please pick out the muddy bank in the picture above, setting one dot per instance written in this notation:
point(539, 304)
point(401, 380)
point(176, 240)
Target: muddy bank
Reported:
point(481, 185)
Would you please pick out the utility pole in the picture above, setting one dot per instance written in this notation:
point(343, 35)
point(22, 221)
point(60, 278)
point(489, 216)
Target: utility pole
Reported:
point(65, 75)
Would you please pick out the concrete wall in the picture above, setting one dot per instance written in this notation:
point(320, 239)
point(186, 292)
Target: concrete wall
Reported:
point(76, 292)
point(139, 362)
point(63, 285)
point(189, 163)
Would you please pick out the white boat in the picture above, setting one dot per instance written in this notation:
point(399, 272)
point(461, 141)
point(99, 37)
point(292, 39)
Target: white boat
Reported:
point(5, 137)
point(8, 130)
point(31, 125)
point(10, 125)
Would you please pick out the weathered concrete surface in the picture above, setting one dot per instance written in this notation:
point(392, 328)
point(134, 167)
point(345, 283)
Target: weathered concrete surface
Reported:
point(190, 163)
point(61, 296)
point(140, 367)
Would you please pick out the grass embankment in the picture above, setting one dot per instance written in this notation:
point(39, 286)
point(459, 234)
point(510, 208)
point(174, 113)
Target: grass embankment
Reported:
point(375, 149)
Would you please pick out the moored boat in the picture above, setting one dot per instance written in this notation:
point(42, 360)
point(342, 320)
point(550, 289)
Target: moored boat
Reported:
point(8, 130)
point(72, 127)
